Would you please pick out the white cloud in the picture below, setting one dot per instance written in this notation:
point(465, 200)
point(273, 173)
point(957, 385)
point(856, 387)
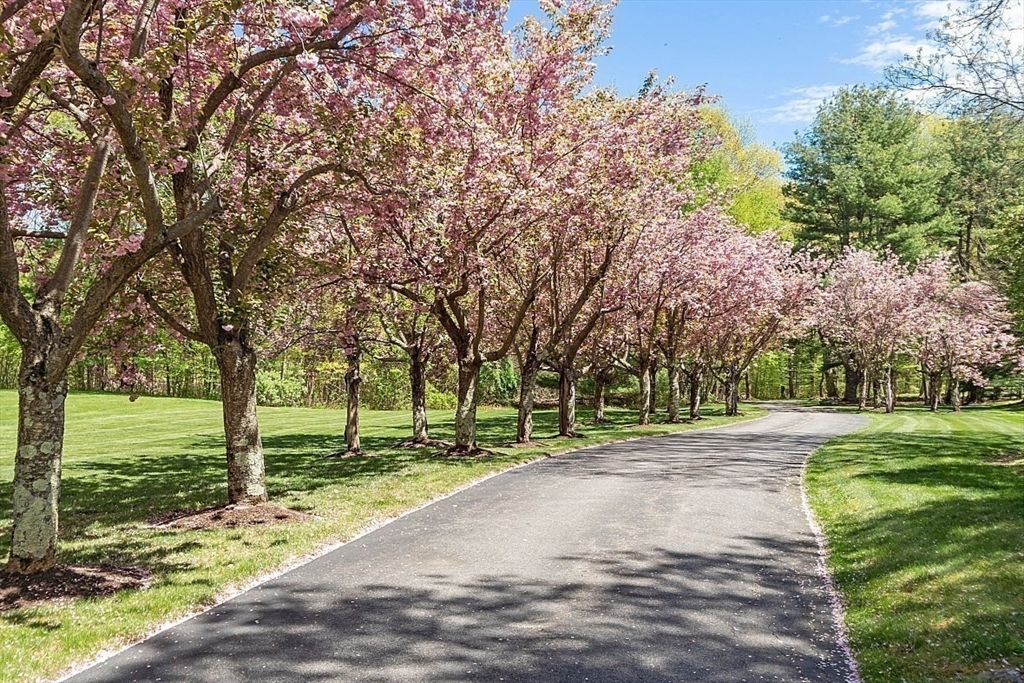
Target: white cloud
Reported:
point(934, 11)
point(835, 21)
point(802, 104)
point(887, 49)
point(882, 26)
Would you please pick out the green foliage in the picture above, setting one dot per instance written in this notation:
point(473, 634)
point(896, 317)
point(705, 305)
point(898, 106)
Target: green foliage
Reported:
point(1007, 253)
point(273, 389)
point(741, 174)
point(867, 173)
point(10, 358)
point(923, 517)
point(440, 400)
point(385, 386)
point(499, 383)
point(984, 186)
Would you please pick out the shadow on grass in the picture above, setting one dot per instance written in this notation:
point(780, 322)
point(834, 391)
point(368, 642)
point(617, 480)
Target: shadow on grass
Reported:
point(127, 489)
point(933, 580)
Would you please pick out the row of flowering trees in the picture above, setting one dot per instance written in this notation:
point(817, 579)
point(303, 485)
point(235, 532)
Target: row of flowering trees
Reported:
point(877, 309)
point(356, 172)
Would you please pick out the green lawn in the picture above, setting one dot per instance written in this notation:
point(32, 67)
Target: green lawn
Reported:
point(125, 462)
point(925, 519)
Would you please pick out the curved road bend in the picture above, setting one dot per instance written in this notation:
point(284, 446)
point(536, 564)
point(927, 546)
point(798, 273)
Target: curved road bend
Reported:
point(681, 558)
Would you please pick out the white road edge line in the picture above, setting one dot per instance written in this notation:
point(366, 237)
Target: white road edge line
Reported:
point(235, 591)
point(834, 598)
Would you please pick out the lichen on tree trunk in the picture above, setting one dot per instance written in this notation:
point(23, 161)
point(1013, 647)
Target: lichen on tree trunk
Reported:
point(732, 392)
point(418, 381)
point(353, 380)
point(695, 380)
point(644, 418)
point(236, 362)
point(527, 393)
point(567, 401)
point(37, 466)
point(465, 410)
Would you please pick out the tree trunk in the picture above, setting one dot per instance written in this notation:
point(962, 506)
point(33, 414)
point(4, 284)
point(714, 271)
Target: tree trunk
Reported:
point(646, 391)
point(599, 387)
point(465, 410)
point(831, 388)
point(890, 390)
point(732, 392)
point(853, 377)
point(527, 393)
point(695, 381)
point(37, 465)
point(236, 362)
point(934, 386)
point(954, 393)
point(353, 380)
point(567, 401)
point(653, 398)
point(673, 390)
point(865, 388)
point(791, 372)
point(418, 382)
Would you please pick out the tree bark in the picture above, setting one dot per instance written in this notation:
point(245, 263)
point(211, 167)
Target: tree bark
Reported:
point(732, 392)
point(599, 388)
point(236, 361)
point(934, 386)
point(567, 401)
point(465, 411)
point(37, 465)
point(653, 398)
point(353, 380)
point(853, 377)
point(890, 390)
point(418, 382)
point(862, 399)
point(527, 394)
point(954, 393)
point(673, 390)
point(695, 381)
point(644, 417)
point(831, 388)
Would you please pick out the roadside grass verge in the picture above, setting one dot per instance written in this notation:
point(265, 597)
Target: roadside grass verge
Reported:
point(127, 462)
point(924, 514)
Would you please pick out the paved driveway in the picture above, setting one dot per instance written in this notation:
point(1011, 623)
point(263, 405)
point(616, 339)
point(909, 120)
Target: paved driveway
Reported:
point(681, 558)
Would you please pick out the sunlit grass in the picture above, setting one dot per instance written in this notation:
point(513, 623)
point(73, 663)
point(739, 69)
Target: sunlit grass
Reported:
point(125, 462)
point(925, 518)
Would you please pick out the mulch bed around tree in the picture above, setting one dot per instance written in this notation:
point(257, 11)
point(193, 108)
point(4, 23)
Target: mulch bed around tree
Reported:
point(63, 583)
point(228, 517)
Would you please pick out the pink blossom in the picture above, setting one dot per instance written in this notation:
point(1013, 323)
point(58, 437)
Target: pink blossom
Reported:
point(307, 60)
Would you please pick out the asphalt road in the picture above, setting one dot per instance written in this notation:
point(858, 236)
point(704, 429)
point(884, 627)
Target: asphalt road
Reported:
point(681, 558)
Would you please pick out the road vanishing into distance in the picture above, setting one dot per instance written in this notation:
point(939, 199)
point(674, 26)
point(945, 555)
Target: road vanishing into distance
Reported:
point(680, 558)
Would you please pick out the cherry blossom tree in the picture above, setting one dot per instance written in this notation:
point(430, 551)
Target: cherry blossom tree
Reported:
point(760, 297)
point(871, 307)
point(474, 176)
point(965, 327)
point(625, 153)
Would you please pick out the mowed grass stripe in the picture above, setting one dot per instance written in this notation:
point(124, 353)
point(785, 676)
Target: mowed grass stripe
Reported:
point(925, 520)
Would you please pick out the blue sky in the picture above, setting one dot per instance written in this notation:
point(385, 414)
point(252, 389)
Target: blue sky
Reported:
point(771, 61)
